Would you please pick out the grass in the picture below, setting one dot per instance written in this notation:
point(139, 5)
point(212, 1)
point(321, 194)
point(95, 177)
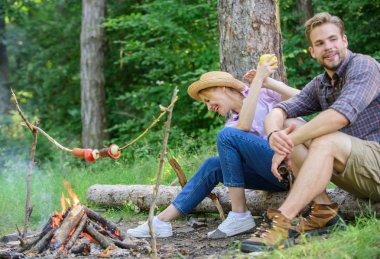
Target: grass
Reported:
point(361, 240)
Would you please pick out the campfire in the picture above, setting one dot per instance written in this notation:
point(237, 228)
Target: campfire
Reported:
point(76, 230)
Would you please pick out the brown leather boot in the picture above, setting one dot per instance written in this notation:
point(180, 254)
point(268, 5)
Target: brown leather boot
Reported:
point(322, 219)
point(272, 235)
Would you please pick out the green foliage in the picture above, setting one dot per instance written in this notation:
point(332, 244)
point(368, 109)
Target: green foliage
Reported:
point(162, 44)
point(151, 46)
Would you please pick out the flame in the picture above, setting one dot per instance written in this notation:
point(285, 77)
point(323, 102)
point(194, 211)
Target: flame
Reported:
point(73, 196)
point(88, 236)
point(117, 233)
point(63, 204)
point(56, 219)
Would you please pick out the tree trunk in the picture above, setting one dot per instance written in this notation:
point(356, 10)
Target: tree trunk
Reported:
point(257, 201)
point(304, 11)
point(5, 102)
point(249, 29)
point(92, 75)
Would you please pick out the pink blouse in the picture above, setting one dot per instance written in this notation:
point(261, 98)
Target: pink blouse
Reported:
point(267, 99)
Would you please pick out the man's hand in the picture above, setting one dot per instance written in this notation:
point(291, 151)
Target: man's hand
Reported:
point(276, 161)
point(280, 141)
point(250, 75)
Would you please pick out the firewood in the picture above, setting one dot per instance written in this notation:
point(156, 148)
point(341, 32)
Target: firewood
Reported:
point(83, 249)
point(11, 255)
point(42, 244)
point(123, 244)
point(76, 233)
point(104, 231)
point(104, 222)
point(104, 242)
point(27, 243)
point(68, 224)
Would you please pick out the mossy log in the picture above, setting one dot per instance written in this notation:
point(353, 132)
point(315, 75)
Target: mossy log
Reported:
point(257, 201)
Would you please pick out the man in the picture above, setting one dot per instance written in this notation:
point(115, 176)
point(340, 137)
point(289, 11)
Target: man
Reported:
point(341, 143)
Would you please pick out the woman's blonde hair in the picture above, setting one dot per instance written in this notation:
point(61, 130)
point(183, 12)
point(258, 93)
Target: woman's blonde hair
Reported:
point(320, 19)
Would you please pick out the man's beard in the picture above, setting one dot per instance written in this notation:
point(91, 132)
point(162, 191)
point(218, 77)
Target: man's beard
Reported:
point(333, 67)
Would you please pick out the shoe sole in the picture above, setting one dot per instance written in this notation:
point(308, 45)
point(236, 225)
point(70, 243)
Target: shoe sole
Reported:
point(236, 232)
point(145, 236)
point(325, 230)
point(249, 247)
point(335, 224)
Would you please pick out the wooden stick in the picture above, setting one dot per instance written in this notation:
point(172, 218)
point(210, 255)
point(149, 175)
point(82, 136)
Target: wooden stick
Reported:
point(162, 157)
point(30, 126)
point(28, 209)
point(179, 172)
point(182, 180)
point(76, 233)
point(216, 201)
point(170, 107)
point(68, 224)
point(104, 242)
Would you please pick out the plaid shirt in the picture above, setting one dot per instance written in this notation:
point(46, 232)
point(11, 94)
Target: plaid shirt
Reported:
point(354, 91)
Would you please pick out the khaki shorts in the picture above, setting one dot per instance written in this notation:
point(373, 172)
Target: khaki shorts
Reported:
point(362, 173)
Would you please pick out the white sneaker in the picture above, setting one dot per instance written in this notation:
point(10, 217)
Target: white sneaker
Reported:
point(232, 226)
point(162, 229)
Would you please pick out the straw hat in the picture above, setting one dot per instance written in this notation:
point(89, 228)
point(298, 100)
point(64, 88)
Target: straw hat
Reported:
point(212, 79)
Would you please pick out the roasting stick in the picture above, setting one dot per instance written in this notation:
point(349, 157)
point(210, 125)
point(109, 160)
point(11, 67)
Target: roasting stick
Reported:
point(159, 173)
point(90, 155)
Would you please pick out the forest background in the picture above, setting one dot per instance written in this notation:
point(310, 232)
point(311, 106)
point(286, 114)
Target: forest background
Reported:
point(151, 46)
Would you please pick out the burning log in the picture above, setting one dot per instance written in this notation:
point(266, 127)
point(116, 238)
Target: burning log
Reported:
point(108, 225)
point(76, 233)
point(68, 224)
point(104, 242)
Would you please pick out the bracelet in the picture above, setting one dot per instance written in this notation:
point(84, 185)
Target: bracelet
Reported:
point(270, 134)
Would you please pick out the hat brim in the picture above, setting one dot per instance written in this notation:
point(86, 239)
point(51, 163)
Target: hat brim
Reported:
point(200, 85)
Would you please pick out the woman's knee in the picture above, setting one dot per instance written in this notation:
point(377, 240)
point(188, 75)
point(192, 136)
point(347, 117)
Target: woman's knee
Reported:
point(226, 133)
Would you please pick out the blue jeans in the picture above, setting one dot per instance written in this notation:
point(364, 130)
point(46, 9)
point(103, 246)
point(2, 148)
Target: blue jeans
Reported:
point(244, 161)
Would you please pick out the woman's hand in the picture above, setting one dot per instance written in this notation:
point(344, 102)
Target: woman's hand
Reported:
point(266, 68)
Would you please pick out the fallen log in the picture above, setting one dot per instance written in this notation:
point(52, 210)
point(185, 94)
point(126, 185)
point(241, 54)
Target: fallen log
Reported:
point(257, 201)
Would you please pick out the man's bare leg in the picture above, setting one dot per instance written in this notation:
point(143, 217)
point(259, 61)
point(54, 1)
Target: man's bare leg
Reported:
point(325, 154)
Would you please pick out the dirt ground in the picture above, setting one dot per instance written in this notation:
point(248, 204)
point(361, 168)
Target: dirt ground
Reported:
point(190, 240)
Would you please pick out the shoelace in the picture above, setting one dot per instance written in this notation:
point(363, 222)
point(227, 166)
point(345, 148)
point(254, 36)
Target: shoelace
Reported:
point(265, 226)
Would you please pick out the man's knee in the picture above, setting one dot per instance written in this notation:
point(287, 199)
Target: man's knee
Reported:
point(335, 144)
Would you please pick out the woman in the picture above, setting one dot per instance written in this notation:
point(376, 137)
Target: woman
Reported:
point(244, 159)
